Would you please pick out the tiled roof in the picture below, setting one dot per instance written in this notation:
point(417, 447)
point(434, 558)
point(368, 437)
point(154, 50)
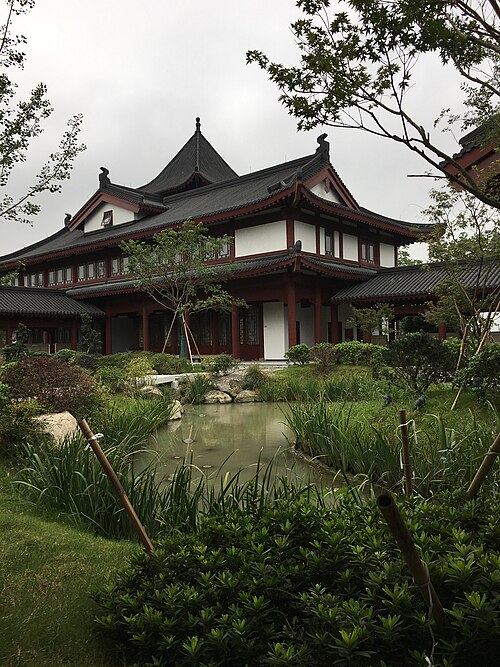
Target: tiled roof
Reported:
point(264, 188)
point(196, 157)
point(42, 302)
point(412, 281)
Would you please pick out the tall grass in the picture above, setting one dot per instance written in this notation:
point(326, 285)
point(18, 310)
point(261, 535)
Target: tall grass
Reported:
point(70, 482)
point(353, 387)
point(445, 452)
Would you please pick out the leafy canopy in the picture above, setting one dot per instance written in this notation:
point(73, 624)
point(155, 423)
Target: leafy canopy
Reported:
point(174, 271)
point(357, 66)
point(21, 121)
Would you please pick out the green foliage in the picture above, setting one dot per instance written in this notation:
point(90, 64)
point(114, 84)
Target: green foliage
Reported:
point(21, 122)
point(368, 319)
point(415, 323)
point(19, 429)
point(221, 364)
point(66, 354)
point(195, 388)
point(70, 480)
point(360, 354)
point(482, 372)
point(305, 585)
point(358, 70)
point(404, 258)
point(55, 384)
point(4, 396)
point(113, 378)
point(325, 355)
point(446, 451)
point(90, 339)
point(168, 364)
point(417, 360)
point(254, 378)
point(19, 347)
point(298, 355)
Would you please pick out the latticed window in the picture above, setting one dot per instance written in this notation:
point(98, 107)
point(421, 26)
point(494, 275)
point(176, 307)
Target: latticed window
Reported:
point(249, 326)
point(224, 329)
point(368, 252)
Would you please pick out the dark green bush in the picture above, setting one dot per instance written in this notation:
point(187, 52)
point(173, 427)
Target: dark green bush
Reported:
point(359, 354)
point(253, 378)
point(66, 354)
point(221, 364)
point(482, 372)
point(299, 355)
point(89, 362)
point(417, 360)
point(325, 355)
point(303, 585)
point(168, 364)
point(113, 378)
point(18, 428)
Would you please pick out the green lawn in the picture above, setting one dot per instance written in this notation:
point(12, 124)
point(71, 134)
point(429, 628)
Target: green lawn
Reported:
point(47, 571)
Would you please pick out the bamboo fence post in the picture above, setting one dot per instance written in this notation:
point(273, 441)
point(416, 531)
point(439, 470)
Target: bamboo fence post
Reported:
point(101, 456)
point(407, 471)
point(417, 569)
point(484, 468)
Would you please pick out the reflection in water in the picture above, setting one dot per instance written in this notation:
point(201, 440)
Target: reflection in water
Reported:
point(222, 439)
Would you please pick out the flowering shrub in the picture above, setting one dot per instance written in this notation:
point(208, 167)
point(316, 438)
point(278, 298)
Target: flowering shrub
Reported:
point(55, 384)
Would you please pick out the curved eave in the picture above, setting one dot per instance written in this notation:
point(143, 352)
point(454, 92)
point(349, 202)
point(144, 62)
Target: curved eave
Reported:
point(428, 296)
point(331, 208)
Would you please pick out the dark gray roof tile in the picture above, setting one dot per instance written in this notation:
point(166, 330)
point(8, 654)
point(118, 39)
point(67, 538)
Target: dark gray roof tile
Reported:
point(42, 302)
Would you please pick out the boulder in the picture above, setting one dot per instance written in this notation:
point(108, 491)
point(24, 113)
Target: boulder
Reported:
point(177, 411)
point(247, 396)
point(231, 386)
point(149, 390)
point(59, 425)
point(217, 397)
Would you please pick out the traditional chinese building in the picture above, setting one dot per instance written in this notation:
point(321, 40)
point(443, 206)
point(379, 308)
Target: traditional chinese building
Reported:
point(299, 237)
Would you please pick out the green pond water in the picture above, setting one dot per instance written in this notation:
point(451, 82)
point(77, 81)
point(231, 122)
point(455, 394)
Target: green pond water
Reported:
point(220, 439)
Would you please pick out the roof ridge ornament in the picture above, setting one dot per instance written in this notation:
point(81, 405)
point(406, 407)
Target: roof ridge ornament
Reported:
point(103, 178)
point(67, 219)
point(323, 146)
point(197, 156)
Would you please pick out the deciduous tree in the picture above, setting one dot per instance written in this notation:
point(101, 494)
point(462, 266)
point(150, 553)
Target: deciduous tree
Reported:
point(357, 66)
point(21, 121)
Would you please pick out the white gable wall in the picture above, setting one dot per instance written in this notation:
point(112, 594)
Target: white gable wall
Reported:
point(331, 195)
point(261, 238)
point(307, 234)
point(120, 215)
point(386, 255)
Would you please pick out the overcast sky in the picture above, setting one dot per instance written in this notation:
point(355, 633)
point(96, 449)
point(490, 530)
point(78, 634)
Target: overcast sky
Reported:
point(140, 72)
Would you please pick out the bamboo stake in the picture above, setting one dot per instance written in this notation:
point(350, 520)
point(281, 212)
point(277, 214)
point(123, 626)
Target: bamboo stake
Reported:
point(417, 569)
point(407, 471)
point(484, 468)
point(101, 456)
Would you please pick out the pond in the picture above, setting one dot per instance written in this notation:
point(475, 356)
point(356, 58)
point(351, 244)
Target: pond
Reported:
point(222, 439)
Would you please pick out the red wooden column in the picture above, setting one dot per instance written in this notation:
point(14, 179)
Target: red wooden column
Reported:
point(292, 313)
point(334, 324)
point(318, 334)
point(108, 333)
point(442, 331)
point(235, 331)
point(145, 326)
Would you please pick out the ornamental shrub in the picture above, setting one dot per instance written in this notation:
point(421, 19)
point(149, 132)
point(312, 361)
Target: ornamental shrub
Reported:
point(359, 354)
point(324, 354)
point(221, 364)
point(114, 379)
point(254, 378)
point(55, 384)
point(299, 584)
point(19, 429)
point(168, 364)
point(417, 360)
point(482, 372)
point(298, 355)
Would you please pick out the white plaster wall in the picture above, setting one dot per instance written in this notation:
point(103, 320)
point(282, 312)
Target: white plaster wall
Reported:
point(336, 241)
point(306, 318)
point(307, 234)
point(261, 238)
point(344, 314)
point(319, 190)
point(120, 215)
point(322, 240)
point(275, 327)
point(123, 331)
point(350, 244)
point(386, 254)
